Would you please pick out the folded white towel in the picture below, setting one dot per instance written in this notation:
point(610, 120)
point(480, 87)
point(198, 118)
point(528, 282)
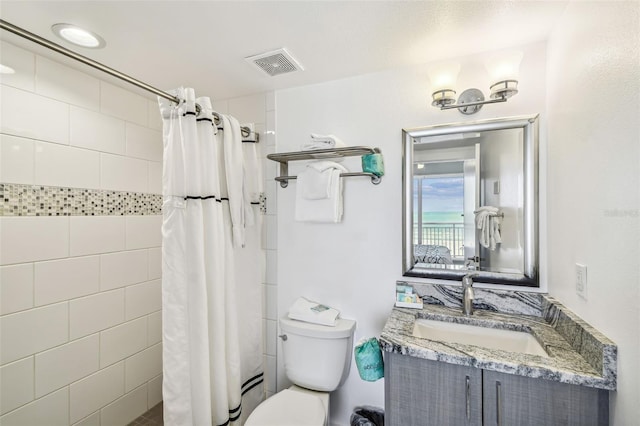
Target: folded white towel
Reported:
point(316, 313)
point(315, 182)
point(310, 204)
point(488, 222)
point(322, 142)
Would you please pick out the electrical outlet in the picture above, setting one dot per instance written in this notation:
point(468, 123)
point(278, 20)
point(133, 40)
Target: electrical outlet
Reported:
point(581, 280)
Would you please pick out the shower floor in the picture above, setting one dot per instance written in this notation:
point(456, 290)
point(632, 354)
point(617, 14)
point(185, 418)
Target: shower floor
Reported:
point(153, 417)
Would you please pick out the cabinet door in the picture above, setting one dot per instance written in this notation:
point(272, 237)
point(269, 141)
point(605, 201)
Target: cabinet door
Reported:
point(521, 401)
point(424, 393)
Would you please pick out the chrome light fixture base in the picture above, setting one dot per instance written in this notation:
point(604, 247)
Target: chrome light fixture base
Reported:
point(470, 96)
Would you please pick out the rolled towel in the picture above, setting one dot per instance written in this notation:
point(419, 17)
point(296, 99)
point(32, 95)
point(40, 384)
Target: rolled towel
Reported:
point(322, 142)
point(312, 312)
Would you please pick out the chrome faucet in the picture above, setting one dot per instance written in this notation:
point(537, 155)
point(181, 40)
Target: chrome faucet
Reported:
point(467, 294)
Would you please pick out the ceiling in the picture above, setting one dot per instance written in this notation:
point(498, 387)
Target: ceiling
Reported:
point(202, 44)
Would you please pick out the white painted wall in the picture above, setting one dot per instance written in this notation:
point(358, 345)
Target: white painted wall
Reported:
point(593, 109)
point(353, 265)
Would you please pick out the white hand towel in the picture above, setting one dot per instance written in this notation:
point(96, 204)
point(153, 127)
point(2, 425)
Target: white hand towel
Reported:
point(323, 210)
point(316, 313)
point(315, 182)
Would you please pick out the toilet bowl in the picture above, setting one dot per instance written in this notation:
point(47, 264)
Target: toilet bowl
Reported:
point(317, 359)
point(294, 406)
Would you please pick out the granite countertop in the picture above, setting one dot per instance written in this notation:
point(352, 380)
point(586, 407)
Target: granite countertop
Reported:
point(578, 354)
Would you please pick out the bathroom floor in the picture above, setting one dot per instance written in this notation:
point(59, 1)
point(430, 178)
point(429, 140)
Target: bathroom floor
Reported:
point(153, 417)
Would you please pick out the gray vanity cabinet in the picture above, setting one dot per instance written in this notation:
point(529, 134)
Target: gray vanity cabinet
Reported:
point(523, 401)
point(420, 392)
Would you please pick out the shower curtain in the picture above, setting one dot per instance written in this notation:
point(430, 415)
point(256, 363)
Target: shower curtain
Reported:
point(205, 361)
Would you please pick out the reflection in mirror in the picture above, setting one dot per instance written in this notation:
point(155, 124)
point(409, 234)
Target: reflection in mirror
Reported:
point(470, 201)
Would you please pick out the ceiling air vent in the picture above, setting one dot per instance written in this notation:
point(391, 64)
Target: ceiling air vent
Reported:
point(275, 62)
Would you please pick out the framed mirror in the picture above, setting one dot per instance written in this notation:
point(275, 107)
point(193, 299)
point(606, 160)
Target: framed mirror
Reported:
point(470, 201)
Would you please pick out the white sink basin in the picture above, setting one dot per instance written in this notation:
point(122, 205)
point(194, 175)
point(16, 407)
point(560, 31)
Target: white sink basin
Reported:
point(492, 338)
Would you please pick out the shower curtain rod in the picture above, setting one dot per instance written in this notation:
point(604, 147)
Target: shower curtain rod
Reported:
point(246, 132)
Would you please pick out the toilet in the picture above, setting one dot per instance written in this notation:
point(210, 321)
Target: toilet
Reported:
point(317, 360)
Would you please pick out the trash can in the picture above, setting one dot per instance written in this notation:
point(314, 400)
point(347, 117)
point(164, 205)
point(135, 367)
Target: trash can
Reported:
point(366, 415)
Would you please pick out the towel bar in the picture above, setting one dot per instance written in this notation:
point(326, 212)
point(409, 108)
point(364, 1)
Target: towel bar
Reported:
point(317, 154)
point(375, 179)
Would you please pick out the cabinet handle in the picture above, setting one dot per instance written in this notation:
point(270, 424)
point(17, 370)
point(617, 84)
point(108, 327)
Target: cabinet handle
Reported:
point(468, 394)
point(499, 403)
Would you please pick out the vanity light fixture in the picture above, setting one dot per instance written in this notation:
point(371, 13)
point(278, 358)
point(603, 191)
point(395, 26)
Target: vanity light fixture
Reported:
point(78, 36)
point(503, 70)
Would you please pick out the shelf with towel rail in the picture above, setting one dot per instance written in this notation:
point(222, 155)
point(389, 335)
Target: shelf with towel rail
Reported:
point(322, 154)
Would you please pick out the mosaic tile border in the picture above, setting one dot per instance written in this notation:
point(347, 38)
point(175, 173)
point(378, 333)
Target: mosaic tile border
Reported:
point(37, 200)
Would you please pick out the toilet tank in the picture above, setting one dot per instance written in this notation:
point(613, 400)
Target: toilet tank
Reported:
point(317, 357)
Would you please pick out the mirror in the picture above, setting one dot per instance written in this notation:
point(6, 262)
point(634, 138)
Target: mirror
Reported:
point(470, 201)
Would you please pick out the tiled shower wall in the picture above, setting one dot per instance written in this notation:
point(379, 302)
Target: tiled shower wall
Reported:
point(80, 260)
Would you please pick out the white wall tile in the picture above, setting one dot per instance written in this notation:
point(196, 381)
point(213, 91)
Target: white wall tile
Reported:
point(97, 234)
point(46, 327)
point(16, 160)
point(123, 104)
point(143, 299)
point(25, 239)
point(271, 302)
point(96, 391)
point(155, 263)
point(143, 142)
point(65, 364)
point(154, 118)
point(66, 84)
point(33, 116)
point(92, 420)
point(23, 63)
point(94, 313)
point(125, 409)
point(16, 288)
point(119, 342)
point(155, 177)
point(270, 131)
point(155, 391)
point(123, 268)
point(271, 224)
point(144, 231)
point(52, 410)
point(272, 197)
point(120, 173)
point(143, 367)
point(16, 384)
point(65, 279)
point(272, 267)
point(271, 337)
point(154, 328)
point(248, 109)
point(270, 373)
point(57, 165)
point(96, 131)
point(270, 101)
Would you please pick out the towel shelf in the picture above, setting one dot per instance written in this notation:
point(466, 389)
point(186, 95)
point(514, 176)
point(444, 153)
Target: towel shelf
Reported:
point(322, 154)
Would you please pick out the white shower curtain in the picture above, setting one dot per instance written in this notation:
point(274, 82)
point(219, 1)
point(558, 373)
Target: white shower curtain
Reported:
point(203, 224)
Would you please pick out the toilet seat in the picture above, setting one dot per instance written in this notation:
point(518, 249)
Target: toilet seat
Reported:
point(289, 408)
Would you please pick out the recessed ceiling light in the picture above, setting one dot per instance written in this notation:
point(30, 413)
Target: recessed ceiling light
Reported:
point(6, 70)
point(78, 36)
